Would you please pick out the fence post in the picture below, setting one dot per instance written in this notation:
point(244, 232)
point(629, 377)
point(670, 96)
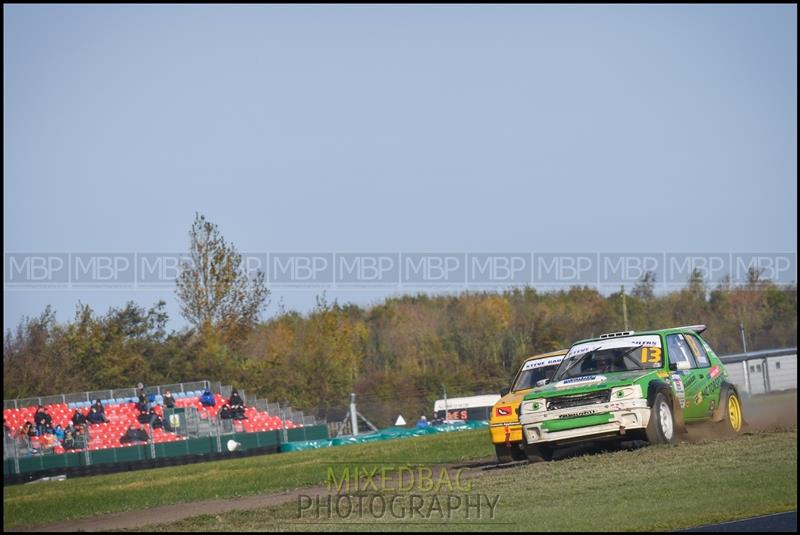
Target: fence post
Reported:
point(746, 377)
point(353, 417)
point(767, 388)
point(283, 421)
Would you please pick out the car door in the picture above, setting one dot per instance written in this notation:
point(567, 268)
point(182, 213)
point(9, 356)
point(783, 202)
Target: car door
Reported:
point(689, 377)
point(710, 376)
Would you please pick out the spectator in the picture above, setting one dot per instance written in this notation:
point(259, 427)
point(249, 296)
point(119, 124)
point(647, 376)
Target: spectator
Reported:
point(31, 430)
point(95, 417)
point(42, 419)
point(225, 412)
point(237, 406)
point(59, 433)
point(131, 435)
point(169, 401)
point(100, 409)
point(422, 423)
point(142, 434)
point(78, 418)
point(69, 439)
point(207, 399)
point(236, 399)
point(157, 422)
point(80, 438)
point(143, 405)
point(24, 432)
point(144, 417)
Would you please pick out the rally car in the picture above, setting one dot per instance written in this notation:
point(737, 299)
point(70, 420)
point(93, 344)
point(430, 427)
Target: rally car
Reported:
point(504, 425)
point(628, 386)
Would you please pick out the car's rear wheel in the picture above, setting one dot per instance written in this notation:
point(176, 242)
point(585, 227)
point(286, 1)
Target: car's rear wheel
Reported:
point(732, 415)
point(661, 428)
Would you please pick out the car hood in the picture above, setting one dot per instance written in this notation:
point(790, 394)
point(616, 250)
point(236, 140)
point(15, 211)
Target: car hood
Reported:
point(590, 383)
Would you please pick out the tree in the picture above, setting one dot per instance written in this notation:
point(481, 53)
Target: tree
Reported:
point(214, 289)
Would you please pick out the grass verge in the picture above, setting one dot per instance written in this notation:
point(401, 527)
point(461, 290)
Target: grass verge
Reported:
point(648, 489)
point(48, 502)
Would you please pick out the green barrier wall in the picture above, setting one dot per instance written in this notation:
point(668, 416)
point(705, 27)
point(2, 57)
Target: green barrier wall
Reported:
point(384, 434)
point(181, 448)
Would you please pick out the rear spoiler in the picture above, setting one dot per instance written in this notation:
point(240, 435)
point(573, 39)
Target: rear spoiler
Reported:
point(696, 328)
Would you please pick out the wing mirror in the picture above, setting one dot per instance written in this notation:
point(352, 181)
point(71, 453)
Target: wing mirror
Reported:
point(504, 391)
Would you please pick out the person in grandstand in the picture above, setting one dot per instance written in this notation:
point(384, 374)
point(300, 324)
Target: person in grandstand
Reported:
point(169, 400)
point(237, 406)
point(42, 419)
point(95, 417)
point(207, 399)
point(78, 418)
point(69, 439)
point(100, 410)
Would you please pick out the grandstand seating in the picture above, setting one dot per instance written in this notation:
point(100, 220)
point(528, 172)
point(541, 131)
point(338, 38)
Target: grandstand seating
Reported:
point(122, 413)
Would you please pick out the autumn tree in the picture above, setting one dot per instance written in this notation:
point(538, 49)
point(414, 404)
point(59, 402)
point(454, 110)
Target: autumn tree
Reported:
point(214, 289)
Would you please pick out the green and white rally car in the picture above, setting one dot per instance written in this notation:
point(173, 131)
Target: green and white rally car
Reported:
point(629, 386)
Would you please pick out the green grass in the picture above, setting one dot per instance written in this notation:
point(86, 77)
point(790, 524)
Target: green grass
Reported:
point(648, 489)
point(43, 503)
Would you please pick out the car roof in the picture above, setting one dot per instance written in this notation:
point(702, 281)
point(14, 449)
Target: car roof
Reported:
point(546, 355)
point(695, 329)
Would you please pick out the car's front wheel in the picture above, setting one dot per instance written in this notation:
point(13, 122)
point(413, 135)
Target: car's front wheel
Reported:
point(661, 428)
point(503, 453)
point(536, 453)
point(506, 454)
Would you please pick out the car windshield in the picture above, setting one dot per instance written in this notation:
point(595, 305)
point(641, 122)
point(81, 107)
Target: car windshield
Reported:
point(611, 355)
point(529, 378)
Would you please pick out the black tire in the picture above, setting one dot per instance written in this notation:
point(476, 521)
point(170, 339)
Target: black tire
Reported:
point(662, 428)
point(504, 454)
point(732, 415)
point(517, 453)
point(536, 453)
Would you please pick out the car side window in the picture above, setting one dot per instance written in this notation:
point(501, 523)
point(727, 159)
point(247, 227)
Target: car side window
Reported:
point(679, 350)
point(698, 350)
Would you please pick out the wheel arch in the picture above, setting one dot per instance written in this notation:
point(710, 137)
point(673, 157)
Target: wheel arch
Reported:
point(719, 410)
point(656, 386)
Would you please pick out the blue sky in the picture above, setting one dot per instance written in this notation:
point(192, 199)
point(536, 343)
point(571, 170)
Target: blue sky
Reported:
point(395, 129)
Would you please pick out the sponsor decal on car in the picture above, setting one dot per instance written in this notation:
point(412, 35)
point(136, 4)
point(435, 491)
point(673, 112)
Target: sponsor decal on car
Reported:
point(504, 411)
point(584, 379)
point(677, 384)
point(714, 372)
point(540, 363)
point(587, 412)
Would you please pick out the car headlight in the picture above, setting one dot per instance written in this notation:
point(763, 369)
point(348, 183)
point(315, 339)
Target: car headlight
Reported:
point(533, 406)
point(626, 392)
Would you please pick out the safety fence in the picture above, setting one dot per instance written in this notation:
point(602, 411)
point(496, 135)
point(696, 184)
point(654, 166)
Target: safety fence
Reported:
point(762, 372)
